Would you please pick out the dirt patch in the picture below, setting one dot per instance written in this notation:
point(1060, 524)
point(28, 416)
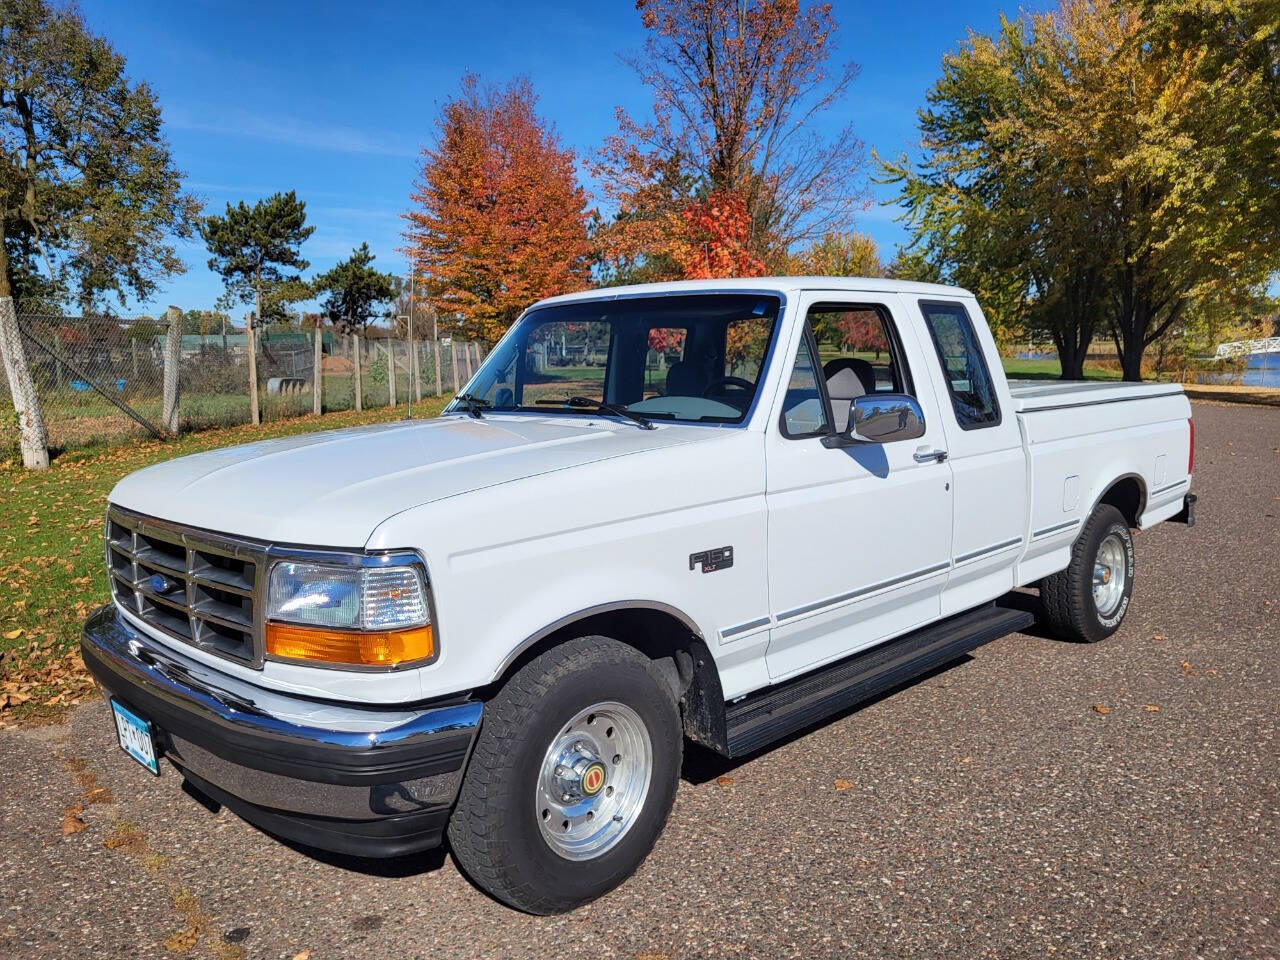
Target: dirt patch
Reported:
point(1264, 396)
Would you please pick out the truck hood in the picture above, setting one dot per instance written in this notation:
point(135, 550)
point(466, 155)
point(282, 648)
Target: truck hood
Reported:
point(332, 489)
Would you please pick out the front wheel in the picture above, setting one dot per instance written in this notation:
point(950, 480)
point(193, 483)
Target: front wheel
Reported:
point(1088, 600)
point(572, 777)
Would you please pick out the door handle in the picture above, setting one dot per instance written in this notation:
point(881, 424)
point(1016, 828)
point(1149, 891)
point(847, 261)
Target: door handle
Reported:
point(924, 456)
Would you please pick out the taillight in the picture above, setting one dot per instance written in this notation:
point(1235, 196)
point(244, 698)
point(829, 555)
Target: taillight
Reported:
point(1191, 445)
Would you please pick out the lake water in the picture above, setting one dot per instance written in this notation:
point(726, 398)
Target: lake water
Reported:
point(1263, 371)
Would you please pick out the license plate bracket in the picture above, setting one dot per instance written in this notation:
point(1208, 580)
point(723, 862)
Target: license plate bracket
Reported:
point(136, 736)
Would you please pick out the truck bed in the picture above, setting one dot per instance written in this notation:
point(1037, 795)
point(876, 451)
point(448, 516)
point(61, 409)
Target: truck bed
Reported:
point(1031, 395)
point(1082, 437)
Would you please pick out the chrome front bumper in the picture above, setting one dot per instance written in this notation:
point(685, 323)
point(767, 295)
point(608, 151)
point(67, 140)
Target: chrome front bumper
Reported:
point(361, 780)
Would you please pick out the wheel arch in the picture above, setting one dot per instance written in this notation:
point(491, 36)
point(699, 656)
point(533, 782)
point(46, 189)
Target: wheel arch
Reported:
point(665, 634)
point(1128, 494)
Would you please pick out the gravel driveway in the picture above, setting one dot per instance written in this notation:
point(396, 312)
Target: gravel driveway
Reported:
point(1038, 799)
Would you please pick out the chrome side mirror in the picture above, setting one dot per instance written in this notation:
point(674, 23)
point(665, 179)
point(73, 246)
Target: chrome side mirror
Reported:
point(880, 418)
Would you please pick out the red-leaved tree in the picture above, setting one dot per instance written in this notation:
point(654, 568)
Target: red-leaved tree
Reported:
point(738, 87)
point(500, 219)
point(713, 240)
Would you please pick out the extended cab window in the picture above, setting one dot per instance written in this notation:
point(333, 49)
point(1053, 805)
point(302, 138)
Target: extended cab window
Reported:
point(972, 395)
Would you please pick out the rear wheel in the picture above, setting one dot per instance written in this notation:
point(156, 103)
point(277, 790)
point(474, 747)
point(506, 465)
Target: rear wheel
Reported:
point(1088, 600)
point(572, 777)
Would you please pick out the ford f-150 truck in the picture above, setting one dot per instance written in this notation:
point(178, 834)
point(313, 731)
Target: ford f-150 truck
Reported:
point(718, 510)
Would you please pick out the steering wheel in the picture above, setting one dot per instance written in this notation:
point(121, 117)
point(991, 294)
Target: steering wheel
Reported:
point(745, 385)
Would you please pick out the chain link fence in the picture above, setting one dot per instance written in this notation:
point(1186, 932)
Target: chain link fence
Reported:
point(101, 379)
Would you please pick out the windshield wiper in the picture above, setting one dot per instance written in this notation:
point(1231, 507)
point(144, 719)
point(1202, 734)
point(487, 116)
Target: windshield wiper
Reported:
point(474, 404)
point(617, 409)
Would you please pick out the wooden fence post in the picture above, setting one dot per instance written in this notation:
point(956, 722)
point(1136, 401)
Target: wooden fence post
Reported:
point(391, 371)
point(251, 338)
point(172, 356)
point(355, 353)
point(33, 436)
point(436, 344)
point(317, 373)
point(415, 370)
point(453, 362)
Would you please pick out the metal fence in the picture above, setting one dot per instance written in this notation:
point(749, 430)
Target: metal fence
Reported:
point(101, 379)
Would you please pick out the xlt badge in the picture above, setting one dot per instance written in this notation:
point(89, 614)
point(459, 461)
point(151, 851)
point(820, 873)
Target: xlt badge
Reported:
point(712, 560)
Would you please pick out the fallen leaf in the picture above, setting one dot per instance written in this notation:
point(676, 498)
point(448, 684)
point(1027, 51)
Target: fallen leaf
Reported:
point(1186, 666)
point(843, 784)
point(13, 634)
point(965, 760)
point(183, 940)
point(125, 836)
point(725, 781)
point(1159, 638)
point(71, 822)
point(1101, 708)
point(1151, 708)
point(302, 955)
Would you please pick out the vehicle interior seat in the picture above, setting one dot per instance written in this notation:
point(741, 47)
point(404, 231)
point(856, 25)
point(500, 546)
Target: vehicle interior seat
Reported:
point(847, 379)
point(682, 380)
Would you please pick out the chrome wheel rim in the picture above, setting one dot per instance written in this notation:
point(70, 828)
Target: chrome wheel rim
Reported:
point(593, 780)
point(1110, 571)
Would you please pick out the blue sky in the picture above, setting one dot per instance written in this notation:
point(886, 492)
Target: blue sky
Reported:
point(335, 100)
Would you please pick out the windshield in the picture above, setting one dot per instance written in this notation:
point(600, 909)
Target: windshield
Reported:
point(692, 358)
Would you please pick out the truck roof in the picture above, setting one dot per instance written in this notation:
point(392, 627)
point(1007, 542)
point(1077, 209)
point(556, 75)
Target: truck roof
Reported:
point(757, 284)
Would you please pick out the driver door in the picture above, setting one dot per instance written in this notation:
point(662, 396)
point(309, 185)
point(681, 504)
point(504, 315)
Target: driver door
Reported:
point(859, 537)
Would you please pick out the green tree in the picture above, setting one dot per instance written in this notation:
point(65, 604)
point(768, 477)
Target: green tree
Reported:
point(88, 190)
point(253, 246)
point(843, 255)
point(355, 289)
point(205, 321)
point(1102, 168)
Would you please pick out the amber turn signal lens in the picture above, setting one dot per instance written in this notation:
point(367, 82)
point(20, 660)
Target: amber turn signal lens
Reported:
point(357, 648)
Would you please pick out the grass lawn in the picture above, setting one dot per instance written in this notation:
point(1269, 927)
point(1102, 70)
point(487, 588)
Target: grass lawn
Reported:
point(1016, 369)
point(51, 566)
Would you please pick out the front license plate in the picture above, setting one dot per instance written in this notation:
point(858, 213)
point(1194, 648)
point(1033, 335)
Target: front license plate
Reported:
point(135, 737)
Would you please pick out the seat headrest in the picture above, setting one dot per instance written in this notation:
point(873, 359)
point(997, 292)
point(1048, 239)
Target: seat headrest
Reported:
point(682, 380)
point(845, 375)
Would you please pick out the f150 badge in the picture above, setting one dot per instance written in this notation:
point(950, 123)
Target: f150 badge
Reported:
point(720, 558)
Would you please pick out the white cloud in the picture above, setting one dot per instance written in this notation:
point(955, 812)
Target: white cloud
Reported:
point(291, 131)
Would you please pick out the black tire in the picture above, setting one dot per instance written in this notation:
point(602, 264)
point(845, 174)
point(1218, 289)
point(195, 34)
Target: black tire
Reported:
point(1067, 596)
point(494, 831)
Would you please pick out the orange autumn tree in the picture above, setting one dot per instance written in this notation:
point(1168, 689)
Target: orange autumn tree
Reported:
point(739, 88)
point(500, 219)
point(712, 240)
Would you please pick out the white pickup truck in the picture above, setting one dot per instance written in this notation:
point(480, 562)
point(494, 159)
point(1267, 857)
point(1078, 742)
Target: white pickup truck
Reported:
point(715, 510)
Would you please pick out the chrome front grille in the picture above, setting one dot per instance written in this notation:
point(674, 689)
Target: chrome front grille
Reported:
point(201, 588)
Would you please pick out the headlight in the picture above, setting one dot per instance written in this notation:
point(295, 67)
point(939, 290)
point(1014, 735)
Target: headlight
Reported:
point(365, 616)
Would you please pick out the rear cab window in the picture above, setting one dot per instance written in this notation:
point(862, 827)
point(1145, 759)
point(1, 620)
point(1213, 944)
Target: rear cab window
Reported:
point(964, 367)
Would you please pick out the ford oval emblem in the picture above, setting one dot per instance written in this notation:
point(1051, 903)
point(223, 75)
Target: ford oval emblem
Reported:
point(159, 583)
